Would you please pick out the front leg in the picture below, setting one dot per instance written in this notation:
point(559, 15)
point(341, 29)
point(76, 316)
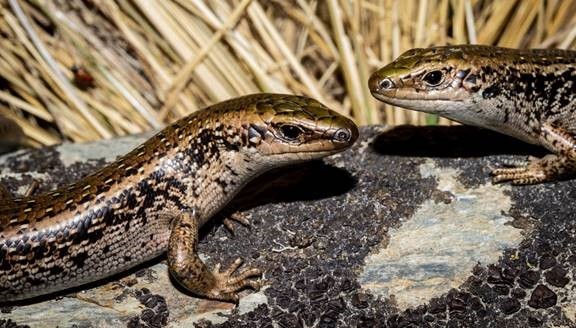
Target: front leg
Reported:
point(188, 269)
point(549, 168)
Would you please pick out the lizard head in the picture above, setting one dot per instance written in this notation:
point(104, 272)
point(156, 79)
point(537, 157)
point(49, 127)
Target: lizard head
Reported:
point(272, 129)
point(434, 80)
point(287, 128)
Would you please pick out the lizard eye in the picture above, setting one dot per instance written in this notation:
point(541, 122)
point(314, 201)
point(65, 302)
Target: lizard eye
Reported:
point(386, 84)
point(433, 78)
point(290, 132)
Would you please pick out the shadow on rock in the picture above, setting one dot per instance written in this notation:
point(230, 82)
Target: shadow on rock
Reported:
point(303, 182)
point(449, 141)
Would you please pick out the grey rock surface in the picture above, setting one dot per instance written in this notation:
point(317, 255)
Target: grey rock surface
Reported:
point(403, 230)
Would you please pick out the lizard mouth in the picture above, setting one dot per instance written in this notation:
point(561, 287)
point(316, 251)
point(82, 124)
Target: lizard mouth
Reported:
point(399, 97)
point(380, 96)
point(439, 106)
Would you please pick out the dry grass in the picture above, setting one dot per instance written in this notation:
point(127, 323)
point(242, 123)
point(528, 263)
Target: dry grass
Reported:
point(153, 61)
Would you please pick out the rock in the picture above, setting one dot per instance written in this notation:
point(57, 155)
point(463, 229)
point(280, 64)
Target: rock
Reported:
point(529, 279)
point(403, 229)
point(557, 277)
point(360, 300)
point(542, 297)
point(510, 305)
point(546, 262)
point(518, 293)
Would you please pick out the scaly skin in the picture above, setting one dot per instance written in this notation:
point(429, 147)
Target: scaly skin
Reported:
point(527, 94)
point(155, 198)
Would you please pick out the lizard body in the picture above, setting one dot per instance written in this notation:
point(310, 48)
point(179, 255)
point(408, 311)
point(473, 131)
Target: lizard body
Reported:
point(154, 199)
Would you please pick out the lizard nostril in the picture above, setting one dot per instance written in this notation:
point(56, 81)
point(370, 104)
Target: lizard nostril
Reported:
point(342, 135)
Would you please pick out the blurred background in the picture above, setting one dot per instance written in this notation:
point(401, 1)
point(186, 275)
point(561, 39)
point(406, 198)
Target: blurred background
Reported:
point(89, 69)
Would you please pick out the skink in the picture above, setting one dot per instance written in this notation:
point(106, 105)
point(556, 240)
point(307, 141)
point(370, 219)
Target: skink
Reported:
point(154, 199)
point(527, 94)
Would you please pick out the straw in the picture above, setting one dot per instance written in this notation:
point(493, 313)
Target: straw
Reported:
point(154, 61)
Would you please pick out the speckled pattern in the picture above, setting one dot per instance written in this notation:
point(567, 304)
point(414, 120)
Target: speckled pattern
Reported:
point(314, 225)
point(155, 313)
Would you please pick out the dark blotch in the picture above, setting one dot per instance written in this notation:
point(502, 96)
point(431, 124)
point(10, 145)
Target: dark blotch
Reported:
point(5, 265)
point(542, 298)
point(79, 259)
point(518, 293)
point(131, 201)
point(547, 261)
point(35, 281)
point(39, 251)
point(437, 305)
point(360, 300)
point(95, 236)
point(491, 92)
point(528, 279)
point(56, 270)
point(557, 277)
point(510, 305)
point(471, 79)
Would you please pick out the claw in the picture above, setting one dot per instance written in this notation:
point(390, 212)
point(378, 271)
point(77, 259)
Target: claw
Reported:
point(235, 217)
point(529, 172)
point(227, 286)
point(229, 225)
point(235, 265)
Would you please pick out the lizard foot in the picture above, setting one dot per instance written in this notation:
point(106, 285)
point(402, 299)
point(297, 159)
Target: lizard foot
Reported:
point(191, 272)
point(235, 217)
point(535, 170)
point(226, 286)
